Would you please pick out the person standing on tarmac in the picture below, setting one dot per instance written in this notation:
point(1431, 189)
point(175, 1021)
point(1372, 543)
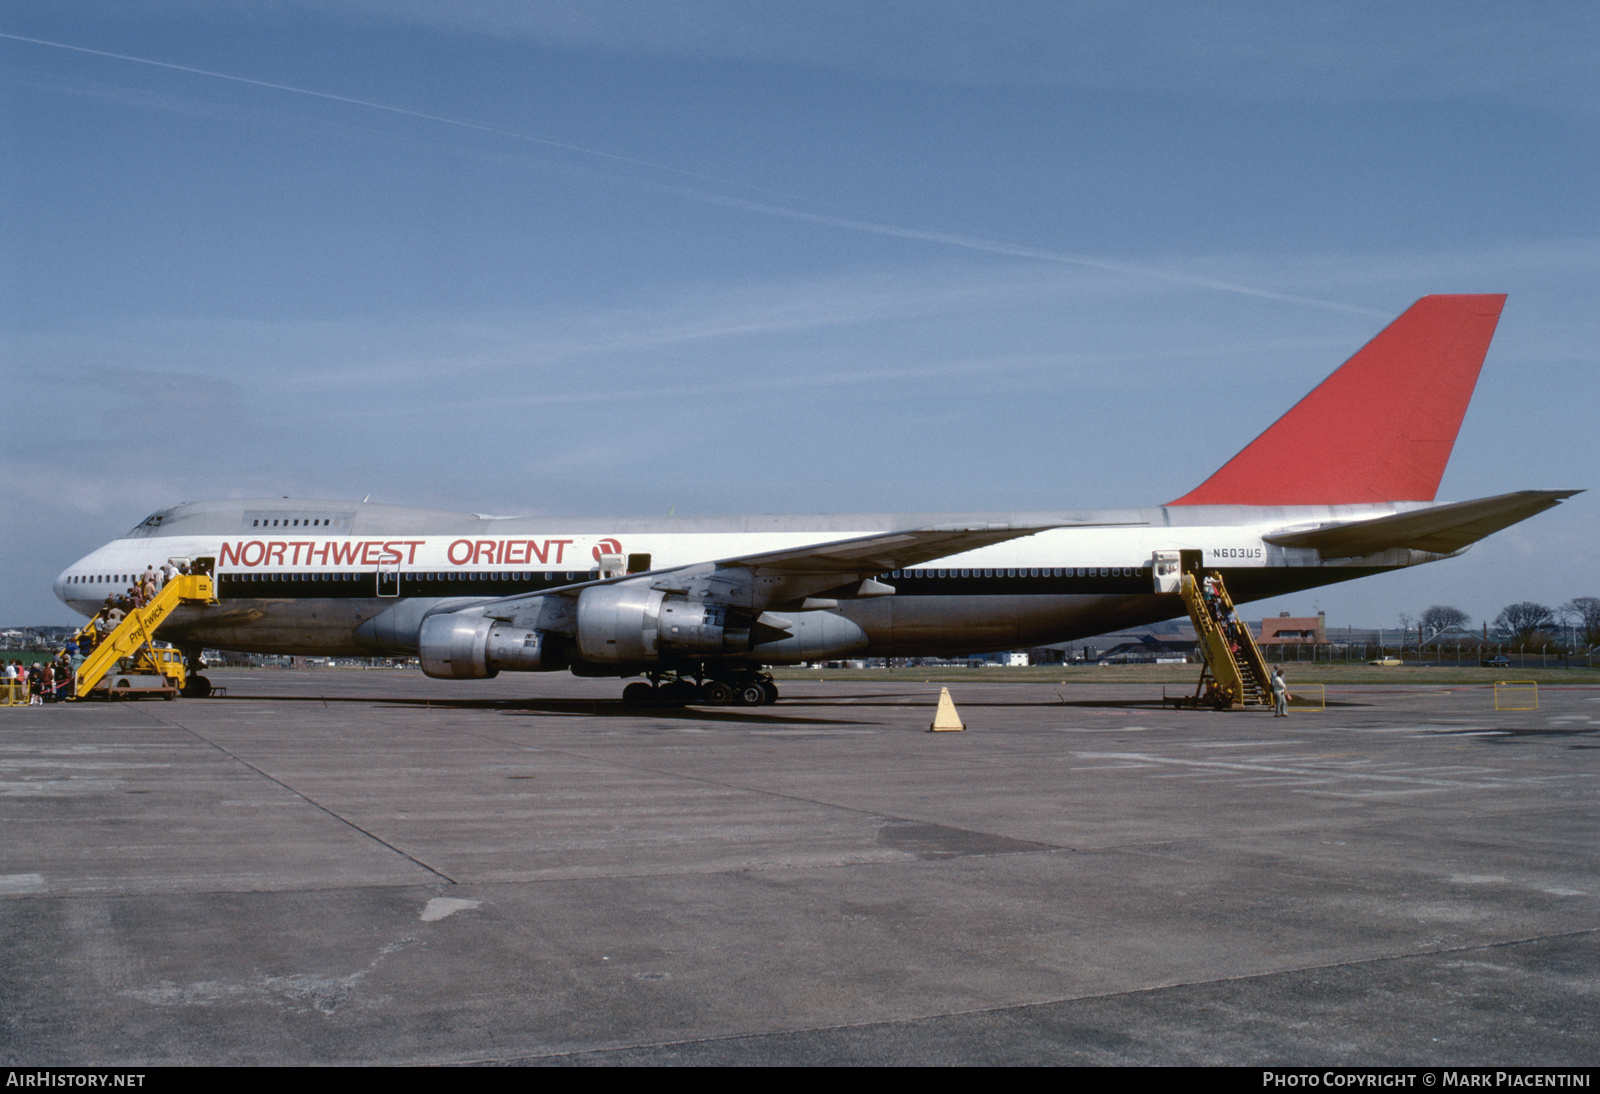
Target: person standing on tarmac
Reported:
point(63, 675)
point(1280, 693)
point(75, 661)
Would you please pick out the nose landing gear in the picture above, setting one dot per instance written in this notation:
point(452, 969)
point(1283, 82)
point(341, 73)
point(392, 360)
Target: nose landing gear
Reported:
point(195, 686)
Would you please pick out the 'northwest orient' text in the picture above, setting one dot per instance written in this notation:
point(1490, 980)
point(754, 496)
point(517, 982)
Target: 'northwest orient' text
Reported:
point(392, 552)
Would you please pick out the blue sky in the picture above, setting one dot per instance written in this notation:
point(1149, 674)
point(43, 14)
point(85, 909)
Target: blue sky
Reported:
point(731, 257)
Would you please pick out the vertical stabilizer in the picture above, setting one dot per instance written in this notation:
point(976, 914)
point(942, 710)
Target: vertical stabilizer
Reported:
point(1381, 427)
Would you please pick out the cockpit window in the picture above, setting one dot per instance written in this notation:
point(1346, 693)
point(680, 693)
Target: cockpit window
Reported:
point(150, 524)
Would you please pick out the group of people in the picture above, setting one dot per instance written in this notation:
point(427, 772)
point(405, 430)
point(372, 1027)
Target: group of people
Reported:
point(1230, 627)
point(44, 681)
point(1227, 621)
point(52, 680)
point(144, 590)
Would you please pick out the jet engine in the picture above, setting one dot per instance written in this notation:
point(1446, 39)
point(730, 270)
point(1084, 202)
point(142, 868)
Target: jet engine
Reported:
point(474, 647)
point(635, 624)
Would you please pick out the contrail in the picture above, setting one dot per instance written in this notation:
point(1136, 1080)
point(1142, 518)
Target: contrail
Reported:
point(385, 107)
point(951, 239)
point(978, 243)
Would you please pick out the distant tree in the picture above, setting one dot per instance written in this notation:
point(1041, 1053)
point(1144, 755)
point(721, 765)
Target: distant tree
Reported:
point(1440, 618)
point(1585, 612)
point(1520, 623)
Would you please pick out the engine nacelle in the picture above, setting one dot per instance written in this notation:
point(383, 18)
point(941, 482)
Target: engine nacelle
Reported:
point(635, 624)
point(474, 647)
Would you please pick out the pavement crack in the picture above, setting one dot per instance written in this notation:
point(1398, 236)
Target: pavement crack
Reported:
point(346, 821)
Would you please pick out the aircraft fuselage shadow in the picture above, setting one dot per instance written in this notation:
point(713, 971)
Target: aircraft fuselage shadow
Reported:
point(602, 708)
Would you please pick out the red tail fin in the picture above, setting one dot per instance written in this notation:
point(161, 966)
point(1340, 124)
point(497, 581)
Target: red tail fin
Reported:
point(1381, 427)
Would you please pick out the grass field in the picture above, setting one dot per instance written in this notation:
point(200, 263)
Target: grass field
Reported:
point(1323, 672)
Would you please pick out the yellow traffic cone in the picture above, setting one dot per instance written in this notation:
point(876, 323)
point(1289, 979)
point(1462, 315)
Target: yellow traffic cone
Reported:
point(945, 719)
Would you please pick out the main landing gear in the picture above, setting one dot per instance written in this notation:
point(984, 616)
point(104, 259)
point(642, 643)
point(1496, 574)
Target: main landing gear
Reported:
point(748, 690)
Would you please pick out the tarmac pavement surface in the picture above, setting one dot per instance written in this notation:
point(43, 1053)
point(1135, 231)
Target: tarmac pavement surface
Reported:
point(339, 866)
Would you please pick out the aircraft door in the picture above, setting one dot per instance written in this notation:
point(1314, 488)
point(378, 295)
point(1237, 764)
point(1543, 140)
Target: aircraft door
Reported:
point(1166, 569)
point(388, 581)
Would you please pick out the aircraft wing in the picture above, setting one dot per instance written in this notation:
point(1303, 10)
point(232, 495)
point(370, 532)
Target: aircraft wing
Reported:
point(1442, 529)
point(878, 554)
point(842, 568)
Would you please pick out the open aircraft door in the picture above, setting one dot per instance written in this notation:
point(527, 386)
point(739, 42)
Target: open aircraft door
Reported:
point(1167, 570)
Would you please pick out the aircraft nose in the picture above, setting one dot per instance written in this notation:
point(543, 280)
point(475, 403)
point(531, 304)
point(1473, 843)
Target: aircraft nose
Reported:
point(63, 587)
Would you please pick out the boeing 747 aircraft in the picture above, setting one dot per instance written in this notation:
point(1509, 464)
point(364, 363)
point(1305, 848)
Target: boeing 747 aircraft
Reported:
point(1340, 487)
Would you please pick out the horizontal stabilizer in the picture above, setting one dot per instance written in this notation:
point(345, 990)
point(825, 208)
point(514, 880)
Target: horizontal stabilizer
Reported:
point(1442, 529)
point(1380, 428)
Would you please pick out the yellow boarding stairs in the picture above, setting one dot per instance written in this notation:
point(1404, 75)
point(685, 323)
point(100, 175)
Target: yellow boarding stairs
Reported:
point(1233, 679)
point(131, 648)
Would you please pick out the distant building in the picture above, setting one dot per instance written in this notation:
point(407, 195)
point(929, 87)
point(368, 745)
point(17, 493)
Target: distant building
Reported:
point(1147, 651)
point(1295, 630)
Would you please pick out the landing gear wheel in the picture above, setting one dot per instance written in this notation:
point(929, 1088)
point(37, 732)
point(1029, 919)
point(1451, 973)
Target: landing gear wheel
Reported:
point(719, 691)
point(198, 687)
point(771, 691)
point(638, 692)
point(752, 694)
point(678, 691)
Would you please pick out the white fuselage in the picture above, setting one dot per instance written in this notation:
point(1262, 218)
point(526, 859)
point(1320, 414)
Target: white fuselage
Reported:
point(322, 578)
